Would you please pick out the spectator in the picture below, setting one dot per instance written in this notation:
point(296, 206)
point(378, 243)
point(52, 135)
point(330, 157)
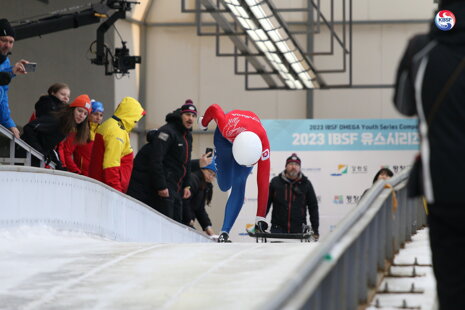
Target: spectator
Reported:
point(56, 99)
point(112, 154)
point(76, 157)
point(202, 192)
point(7, 39)
point(45, 132)
point(240, 142)
point(431, 84)
point(170, 161)
point(291, 195)
point(382, 174)
point(142, 183)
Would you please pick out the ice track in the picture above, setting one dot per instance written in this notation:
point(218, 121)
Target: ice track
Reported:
point(42, 268)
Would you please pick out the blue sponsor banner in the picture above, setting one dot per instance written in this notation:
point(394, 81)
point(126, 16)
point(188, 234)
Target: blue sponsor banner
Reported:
point(342, 135)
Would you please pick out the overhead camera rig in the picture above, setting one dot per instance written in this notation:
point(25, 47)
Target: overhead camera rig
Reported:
point(119, 62)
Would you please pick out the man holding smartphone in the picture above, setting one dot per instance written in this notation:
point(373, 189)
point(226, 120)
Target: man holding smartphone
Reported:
point(7, 39)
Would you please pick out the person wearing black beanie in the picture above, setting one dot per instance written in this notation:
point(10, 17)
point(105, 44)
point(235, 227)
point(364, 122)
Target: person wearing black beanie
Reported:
point(431, 85)
point(7, 39)
point(291, 197)
point(169, 168)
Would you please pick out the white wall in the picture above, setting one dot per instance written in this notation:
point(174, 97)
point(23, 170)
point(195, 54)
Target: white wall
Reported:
point(67, 201)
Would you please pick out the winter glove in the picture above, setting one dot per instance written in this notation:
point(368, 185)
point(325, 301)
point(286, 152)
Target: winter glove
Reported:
point(261, 226)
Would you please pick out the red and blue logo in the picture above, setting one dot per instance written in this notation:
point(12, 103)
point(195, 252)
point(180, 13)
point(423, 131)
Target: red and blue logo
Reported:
point(445, 20)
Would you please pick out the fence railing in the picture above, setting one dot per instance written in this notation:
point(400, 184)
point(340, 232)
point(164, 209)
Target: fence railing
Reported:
point(340, 272)
point(12, 159)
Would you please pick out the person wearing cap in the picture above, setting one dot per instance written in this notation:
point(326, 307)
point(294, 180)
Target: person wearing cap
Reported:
point(44, 133)
point(112, 155)
point(241, 142)
point(170, 167)
point(291, 195)
point(202, 192)
point(76, 157)
point(7, 39)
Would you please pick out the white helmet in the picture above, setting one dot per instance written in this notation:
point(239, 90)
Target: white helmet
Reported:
point(247, 148)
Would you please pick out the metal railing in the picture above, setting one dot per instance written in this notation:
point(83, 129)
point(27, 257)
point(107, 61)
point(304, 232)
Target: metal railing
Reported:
point(30, 151)
point(340, 272)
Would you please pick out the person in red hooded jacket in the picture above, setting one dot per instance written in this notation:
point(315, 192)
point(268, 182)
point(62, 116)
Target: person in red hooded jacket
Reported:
point(241, 142)
point(112, 154)
point(76, 157)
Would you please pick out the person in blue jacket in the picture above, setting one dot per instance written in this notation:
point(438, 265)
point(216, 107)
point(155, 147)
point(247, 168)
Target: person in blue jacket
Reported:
point(7, 39)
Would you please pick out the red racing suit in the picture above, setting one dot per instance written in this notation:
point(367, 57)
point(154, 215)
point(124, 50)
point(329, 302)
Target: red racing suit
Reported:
point(231, 125)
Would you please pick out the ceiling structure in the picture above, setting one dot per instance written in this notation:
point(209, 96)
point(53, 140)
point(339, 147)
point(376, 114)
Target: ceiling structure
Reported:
point(272, 49)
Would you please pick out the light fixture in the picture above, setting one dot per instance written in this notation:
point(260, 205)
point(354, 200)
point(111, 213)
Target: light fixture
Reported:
point(273, 39)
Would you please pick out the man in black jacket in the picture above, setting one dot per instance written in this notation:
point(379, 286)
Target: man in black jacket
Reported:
point(172, 148)
point(291, 193)
point(431, 84)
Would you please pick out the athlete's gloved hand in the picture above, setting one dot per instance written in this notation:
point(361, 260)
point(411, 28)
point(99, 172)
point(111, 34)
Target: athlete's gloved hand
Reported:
point(261, 226)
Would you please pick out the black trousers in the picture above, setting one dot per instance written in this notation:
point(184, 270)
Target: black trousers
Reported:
point(447, 237)
point(170, 206)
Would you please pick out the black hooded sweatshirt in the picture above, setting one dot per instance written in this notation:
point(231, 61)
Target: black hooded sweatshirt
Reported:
point(426, 67)
point(48, 104)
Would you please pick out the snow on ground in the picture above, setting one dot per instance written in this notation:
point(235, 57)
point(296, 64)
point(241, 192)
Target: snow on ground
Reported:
point(42, 268)
point(404, 263)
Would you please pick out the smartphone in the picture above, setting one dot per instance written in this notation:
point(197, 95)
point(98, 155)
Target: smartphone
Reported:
point(209, 150)
point(30, 67)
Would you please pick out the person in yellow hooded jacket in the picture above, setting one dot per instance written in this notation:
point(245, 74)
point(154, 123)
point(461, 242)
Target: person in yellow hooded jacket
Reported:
point(112, 154)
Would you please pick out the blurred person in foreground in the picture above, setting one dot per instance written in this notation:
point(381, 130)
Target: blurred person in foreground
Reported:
point(431, 85)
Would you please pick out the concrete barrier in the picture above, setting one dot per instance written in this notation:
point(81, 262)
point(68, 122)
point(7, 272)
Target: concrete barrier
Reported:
point(67, 201)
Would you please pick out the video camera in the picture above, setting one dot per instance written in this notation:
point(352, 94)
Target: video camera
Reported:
point(123, 62)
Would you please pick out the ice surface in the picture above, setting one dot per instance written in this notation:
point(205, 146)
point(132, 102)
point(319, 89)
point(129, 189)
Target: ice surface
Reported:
point(45, 269)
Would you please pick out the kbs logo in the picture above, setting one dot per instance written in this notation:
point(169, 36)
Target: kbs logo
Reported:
point(445, 20)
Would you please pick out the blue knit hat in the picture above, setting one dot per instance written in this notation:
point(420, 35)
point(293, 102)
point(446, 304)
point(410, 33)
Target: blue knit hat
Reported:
point(212, 165)
point(97, 106)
